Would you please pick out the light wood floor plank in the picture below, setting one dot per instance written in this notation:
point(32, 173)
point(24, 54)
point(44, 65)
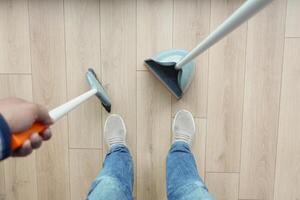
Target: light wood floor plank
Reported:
point(226, 92)
point(49, 89)
point(85, 164)
point(82, 26)
point(287, 182)
point(2, 182)
point(199, 147)
point(223, 186)
point(20, 178)
point(61, 38)
point(14, 37)
point(153, 139)
point(20, 173)
point(118, 61)
point(154, 28)
point(191, 25)
point(261, 102)
point(292, 19)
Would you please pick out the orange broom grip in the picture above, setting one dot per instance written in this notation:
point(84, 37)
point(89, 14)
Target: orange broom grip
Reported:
point(18, 139)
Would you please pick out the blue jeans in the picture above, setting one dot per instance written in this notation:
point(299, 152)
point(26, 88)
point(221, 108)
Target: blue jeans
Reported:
point(115, 181)
point(183, 180)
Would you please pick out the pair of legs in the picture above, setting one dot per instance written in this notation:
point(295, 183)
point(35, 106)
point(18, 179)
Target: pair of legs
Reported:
point(115, 181)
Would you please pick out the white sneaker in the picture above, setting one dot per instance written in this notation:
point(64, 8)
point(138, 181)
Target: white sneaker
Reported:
point(183, 127)
point(114, 130)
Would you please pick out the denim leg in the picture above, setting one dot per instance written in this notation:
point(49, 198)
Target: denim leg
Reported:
point(183, 180)
point(115, 181)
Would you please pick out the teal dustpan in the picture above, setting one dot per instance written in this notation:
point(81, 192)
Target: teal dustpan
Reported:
point(175, 68)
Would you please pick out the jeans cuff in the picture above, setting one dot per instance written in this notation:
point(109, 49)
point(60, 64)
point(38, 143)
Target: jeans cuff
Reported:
point(179, 145)
point(118, 147)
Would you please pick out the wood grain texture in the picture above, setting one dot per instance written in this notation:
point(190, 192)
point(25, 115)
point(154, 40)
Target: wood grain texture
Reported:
point(223, 186)
point(287, 182)
point(20, 178)
point(49, 89)
point(292, 19)
point(199, 146)
point(82, 29)
point(118, 62)
point(226, 93)
point(84, 167)
point(153, 139)
point(2, 182)
point(261, 102)
point(154, 28)
point(20, 173)
point(247, 100)
point(14, 37)
point(191, 26)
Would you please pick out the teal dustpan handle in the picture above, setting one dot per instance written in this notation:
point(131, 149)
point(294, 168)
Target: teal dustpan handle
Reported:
point(246, 11)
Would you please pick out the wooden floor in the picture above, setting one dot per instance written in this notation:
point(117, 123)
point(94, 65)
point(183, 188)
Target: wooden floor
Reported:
point(245, 96)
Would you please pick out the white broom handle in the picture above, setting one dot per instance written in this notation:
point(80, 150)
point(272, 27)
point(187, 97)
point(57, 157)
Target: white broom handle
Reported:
point(246, 11)
point(63, 109)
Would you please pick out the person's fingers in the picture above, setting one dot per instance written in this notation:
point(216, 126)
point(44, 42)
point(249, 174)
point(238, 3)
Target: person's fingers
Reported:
point(25, 150)
point(36, 140)
point(43, 115)
point(46, 134)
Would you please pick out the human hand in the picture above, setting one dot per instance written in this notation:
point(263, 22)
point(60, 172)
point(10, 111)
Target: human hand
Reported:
point(20, 115)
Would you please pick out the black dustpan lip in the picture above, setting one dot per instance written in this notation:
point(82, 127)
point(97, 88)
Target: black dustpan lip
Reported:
point(167, 74)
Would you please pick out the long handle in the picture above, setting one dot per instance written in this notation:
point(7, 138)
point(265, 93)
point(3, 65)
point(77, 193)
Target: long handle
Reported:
point(19, 138)
point(62, 110)
point(246, 11)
